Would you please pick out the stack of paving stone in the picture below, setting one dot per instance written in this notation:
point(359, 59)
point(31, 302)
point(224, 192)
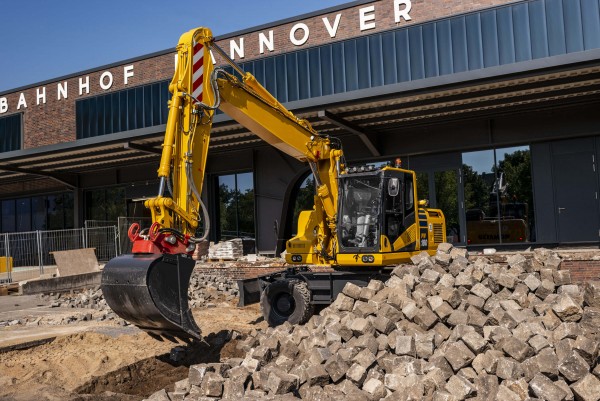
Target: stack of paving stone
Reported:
point(442, 329)
point(207, 290)
point(227, 250)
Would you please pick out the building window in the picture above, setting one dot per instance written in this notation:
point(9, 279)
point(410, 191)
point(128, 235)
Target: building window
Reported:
point(45, 212)
point(106, 205)
point(10, 133)
point(305, 200)
point(129, 109)
point(236, 206)
point(498, 196)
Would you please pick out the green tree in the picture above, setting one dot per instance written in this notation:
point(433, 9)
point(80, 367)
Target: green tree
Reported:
point(477, 190)
point(304, 200)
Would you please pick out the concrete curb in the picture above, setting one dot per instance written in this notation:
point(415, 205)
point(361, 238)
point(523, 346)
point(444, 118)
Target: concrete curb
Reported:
point(62, 284)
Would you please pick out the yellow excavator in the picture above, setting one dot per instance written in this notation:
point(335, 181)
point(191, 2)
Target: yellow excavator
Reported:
point(364, 219)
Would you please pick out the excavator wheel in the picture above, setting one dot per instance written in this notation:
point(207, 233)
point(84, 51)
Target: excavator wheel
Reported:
point(286, 301)
point(151, 292)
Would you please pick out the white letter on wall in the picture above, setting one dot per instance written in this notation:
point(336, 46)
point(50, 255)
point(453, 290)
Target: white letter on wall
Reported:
point(40, 95)
point(235, 48)
point(106, 74)
point(264, 41)
point(332, 29)
point(85, 85)
point(22, 101)
point(62, 91)
point(299, 42)
point(404, 12)
point(3, 105)
point(127, 73)
point(364, 18)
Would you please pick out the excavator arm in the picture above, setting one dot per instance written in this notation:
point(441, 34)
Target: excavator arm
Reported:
point(149, 287)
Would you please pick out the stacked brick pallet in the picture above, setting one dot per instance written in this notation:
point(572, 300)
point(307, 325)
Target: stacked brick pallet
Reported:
point(441, 329)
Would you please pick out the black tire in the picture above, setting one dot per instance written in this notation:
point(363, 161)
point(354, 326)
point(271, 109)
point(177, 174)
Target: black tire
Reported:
point(286, 301)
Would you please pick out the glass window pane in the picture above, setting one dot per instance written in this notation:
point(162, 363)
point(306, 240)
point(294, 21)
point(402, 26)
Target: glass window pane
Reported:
point(388, 58)
point(351, 71)
point(430, 50)
point(362, 62)
point(236, 205)
point(446, 195)
point(147, 105)
point(227, 209)
point(281, 81)
point(8, 216)
point(115, 113)
point(304, 200)
point(123, 107)
point(155, 102)
point(314, 67)
point(292, 77)
point(100, 115)
point(459, 45)
point(423, 185)
point(245, 192)
point(478, 181)
point(415, 42)
point(116, 206)
point(55, 211)
point(375, 60)
point(327, 70)
point(139, 107)
point(515, 194)
point(38, 213)
point(108, 126)
point(23, 214)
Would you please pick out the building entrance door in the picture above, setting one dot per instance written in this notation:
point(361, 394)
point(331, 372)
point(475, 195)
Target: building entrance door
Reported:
point(576, 195)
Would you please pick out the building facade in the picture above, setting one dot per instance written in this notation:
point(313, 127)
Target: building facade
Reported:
point(493, 103)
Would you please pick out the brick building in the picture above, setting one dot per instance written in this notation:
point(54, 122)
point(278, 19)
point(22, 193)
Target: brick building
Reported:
point(493, 103)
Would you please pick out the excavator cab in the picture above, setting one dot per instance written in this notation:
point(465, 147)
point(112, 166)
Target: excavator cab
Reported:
point(375, 206)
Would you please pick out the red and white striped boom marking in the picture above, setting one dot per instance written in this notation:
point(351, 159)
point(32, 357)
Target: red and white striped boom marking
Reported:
point(198, 71)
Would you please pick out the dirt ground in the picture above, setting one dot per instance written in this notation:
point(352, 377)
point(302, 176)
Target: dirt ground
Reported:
point(101, 363)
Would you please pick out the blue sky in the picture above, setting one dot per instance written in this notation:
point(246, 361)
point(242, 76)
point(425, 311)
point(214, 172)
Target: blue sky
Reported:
point(43, 39)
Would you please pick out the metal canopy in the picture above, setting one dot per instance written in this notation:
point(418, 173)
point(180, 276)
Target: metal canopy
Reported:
point(363, 117)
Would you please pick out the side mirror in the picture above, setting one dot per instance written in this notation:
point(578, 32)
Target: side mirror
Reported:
point(393, 186)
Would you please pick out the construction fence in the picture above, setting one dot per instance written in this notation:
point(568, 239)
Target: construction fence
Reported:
point(28, 255)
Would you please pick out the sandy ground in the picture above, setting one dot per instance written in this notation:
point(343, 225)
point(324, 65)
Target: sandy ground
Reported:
point(102, 363)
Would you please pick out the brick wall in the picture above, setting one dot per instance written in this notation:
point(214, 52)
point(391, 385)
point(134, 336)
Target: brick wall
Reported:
point(244, 272)
point(582, 270)
point(54, 121)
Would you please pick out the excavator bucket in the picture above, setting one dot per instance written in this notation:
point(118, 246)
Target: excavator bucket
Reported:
point(151, 292)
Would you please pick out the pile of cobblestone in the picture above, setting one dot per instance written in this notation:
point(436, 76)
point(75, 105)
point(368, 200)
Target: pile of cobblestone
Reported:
point(441, 329)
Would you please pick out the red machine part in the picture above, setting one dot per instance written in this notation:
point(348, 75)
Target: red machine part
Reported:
point(156, 241)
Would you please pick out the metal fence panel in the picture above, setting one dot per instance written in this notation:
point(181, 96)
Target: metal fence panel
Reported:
point(104, 241)
point(31, 252)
